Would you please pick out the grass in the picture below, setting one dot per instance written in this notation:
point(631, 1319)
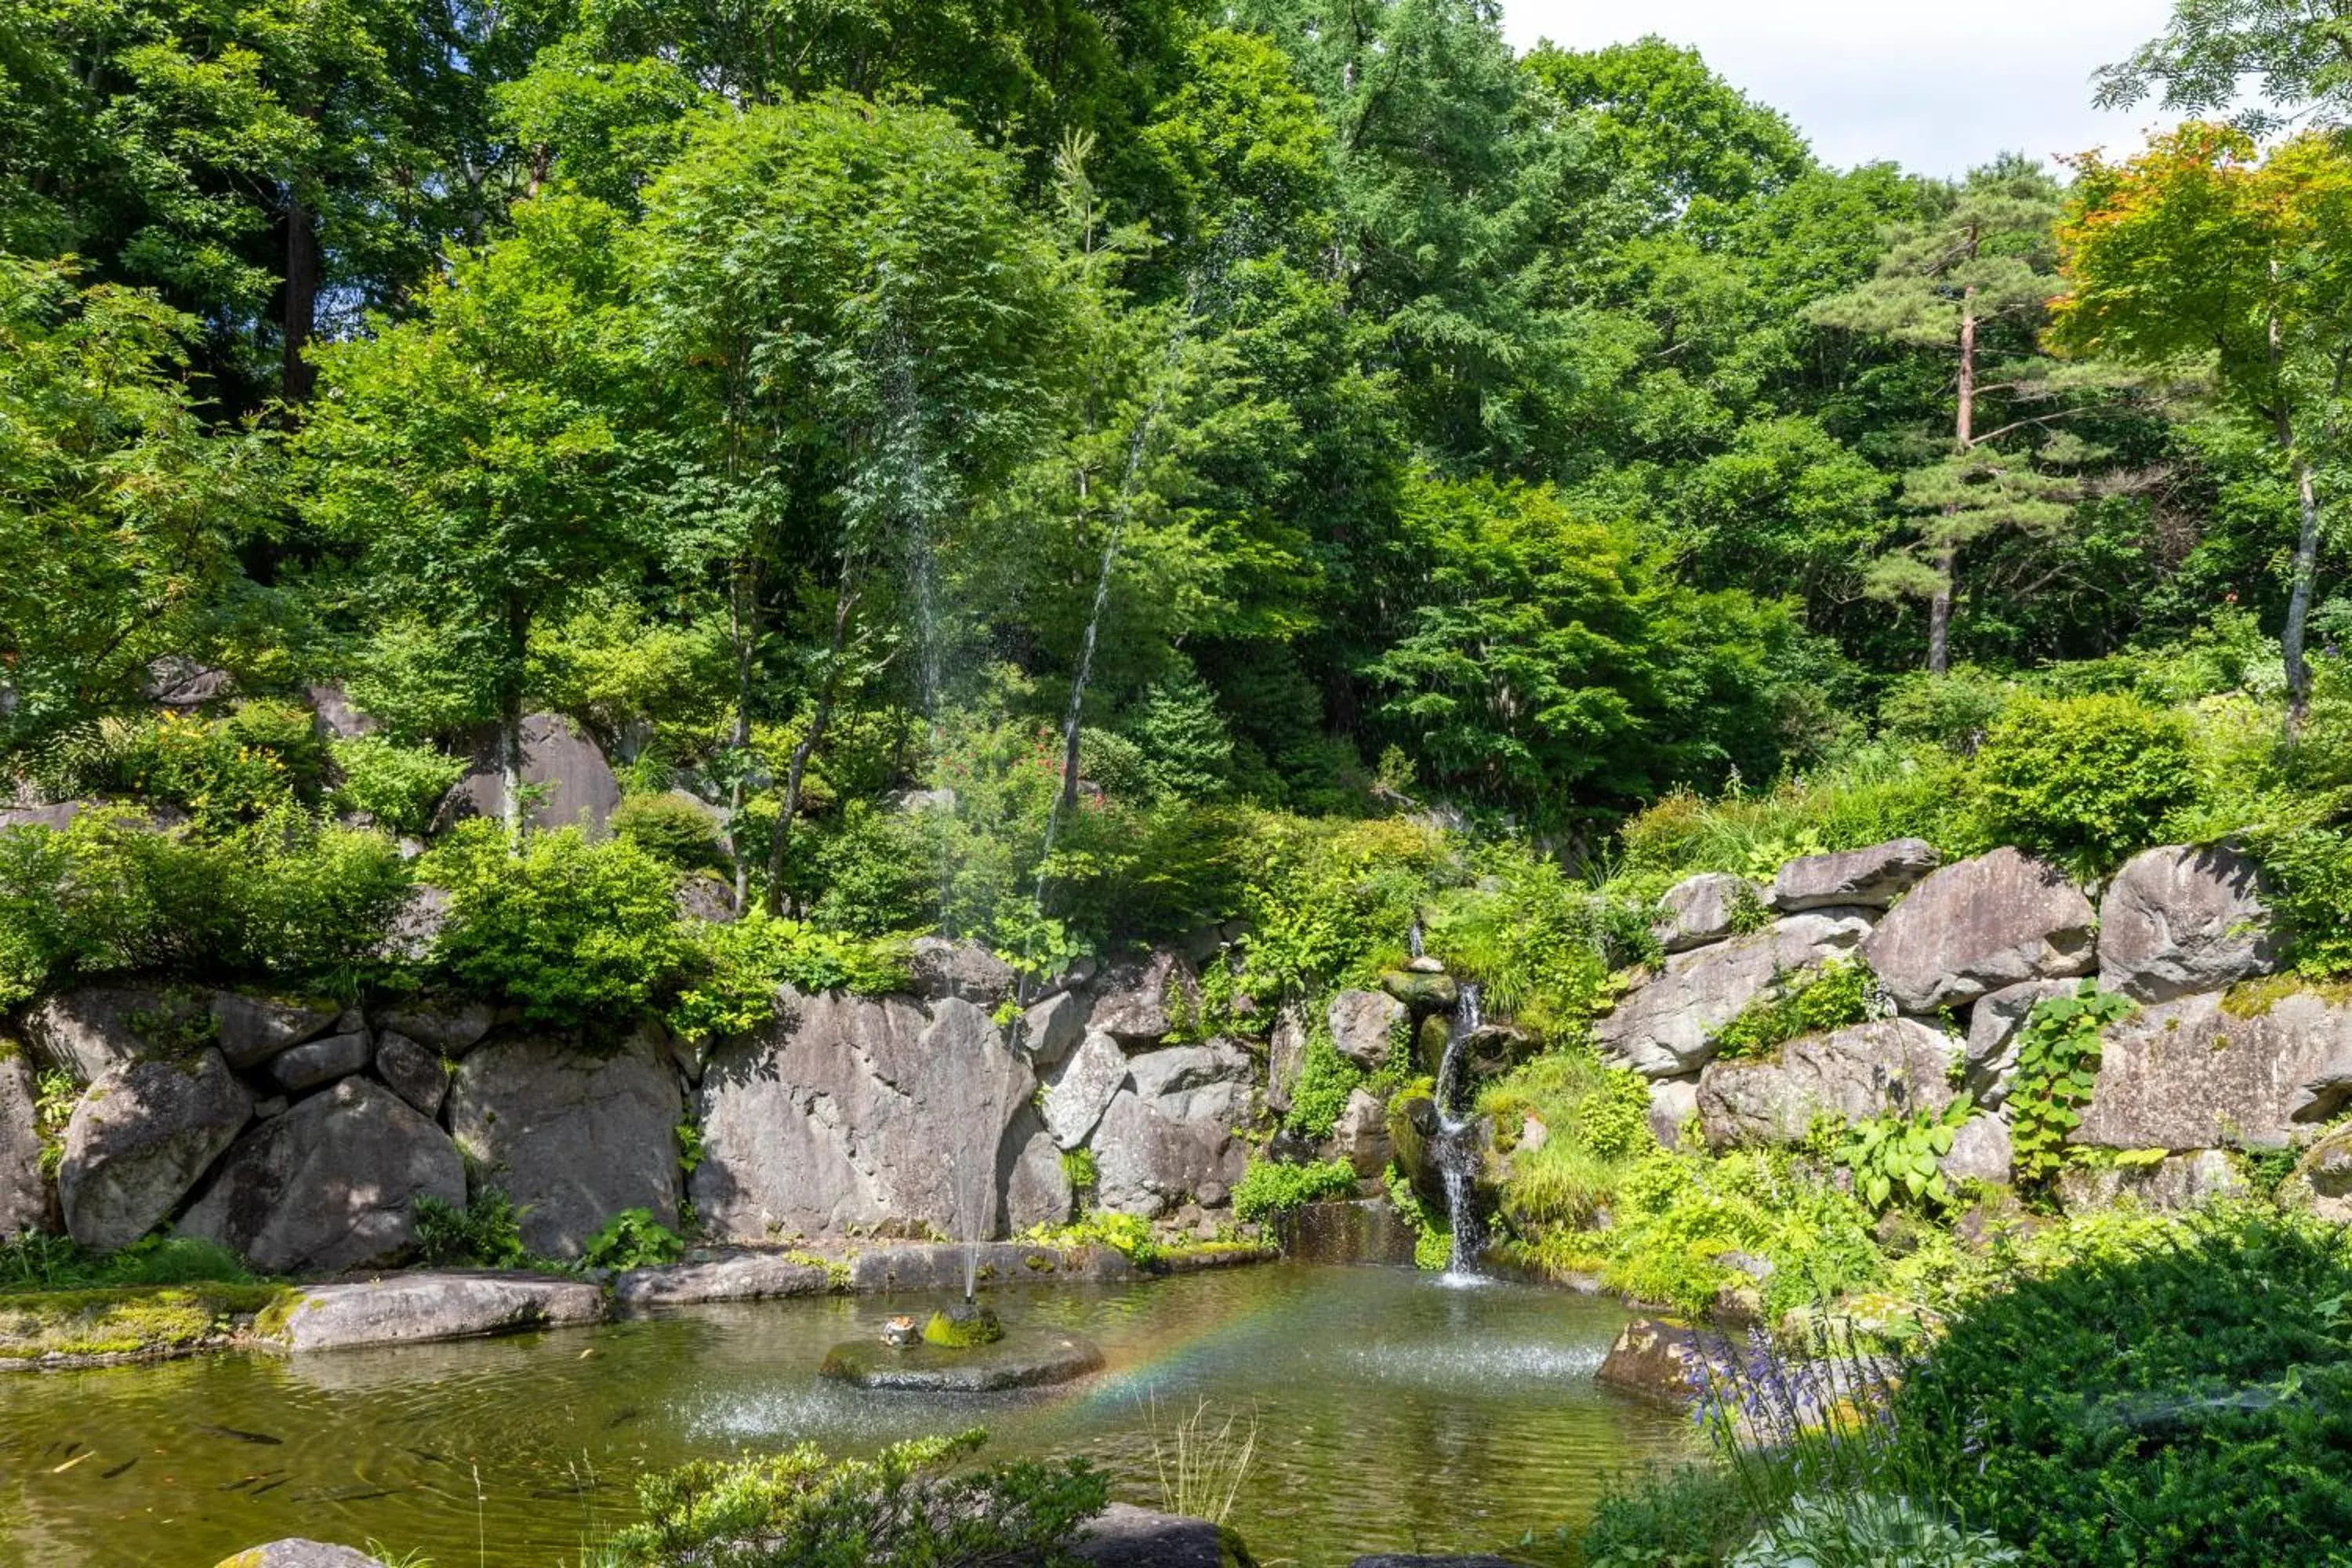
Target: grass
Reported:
point(1202, 1461)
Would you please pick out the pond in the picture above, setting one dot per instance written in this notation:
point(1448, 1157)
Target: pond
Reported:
point(1392, 1412)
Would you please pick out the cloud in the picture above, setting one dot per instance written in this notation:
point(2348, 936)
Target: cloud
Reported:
point(1939, 89)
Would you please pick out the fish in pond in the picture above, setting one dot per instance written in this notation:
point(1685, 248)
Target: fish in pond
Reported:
point(110, 1475)
point(624, 1418)
point(429, 1457)
point(272, 1486)
point(244, 1437)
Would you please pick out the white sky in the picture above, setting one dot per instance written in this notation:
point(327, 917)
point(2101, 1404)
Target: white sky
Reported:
point(1937, 86)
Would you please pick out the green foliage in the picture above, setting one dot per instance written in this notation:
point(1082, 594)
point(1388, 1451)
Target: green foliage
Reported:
point(34, 1260)
point(1874, 794)
point(1128, 1234)
point(632, 1239)
point(1690, 1517)
point(1328, 903)
point(910, 1506)
point(1268, 1190)
point(225, 773)
point(1897, 1158)
point(2310, 894)
point(1325, 1079)
point(486, 1234)
point(1678, 1214)
point(672, 829)
point(1868, 1529)
point(1540, 947)
point(1596, 1125)
point(2177, 1403)
point(2085, 780)
point(1955, 710)
point(1432, 1241)
point(397, 785)
point(567, 930)
point(1079, 1168)
point(1818, 997)
point(738, 967)
point(2057, 1068)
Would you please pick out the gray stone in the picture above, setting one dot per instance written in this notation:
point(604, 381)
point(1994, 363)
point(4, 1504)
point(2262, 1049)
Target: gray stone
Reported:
point(2182, 919)
point(320, 1061)
point(1034, 1182)
point(2186, 1074)
point(2184, 1180)
point(1980, 1153)
point(1979, 926)
point(253, 1029)
point(961, 969)
point(572, 784)
point(572, 1136)
point(90, 1030)
point(332, 715)
point(414, 927)
point(1665, 1026)
point(1870, 878)
point(1673, 1102)
point(451, 1028)
point(24, 1192)
point(57, 817)
point(1422, 993)
point(1052, 1029)
point(1285, 1058)
point(1175, 1077)
point(2322, 1183)
point(410, 1308)
point(176, 681)
point(298, 1554)
point(1993, 1040)
point(1360, 1136)
point(742, 1276)
point(138, 1139)
point(269, 1109)
point(1125, 1536)
point(412, 1072)
point(1152, 1154)
point(1138, 1002)
point(858, 1112)
point(1702, 910)
point(1656, 1360)
point(1081, 1091)
point(708, 897)
point(1894, 1065)
point(331, 1185)
point(1365, 1024)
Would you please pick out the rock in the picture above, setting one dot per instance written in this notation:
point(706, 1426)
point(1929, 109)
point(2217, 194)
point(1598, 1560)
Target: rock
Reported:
point(1424, 964)
point(138, 1139)
point(1422, 993)
point(572, 784)
point(915, 801)
point(1174, 1077)
point(1673, 1102)
point(1285, 1058)
point(412, 1072)
point(176, 681)
point(572, 1136)
point(1081, 1091)
point(332, 715)
point(2186, 1074)
point(24, 1192)
point(1993, 1025)
point(2184, 1180)
point(410, 1308)
point(1978, 926)
point(1665, 1027)
point(298, 1554)
point(1138, 1004)
point(417, 924)
point(1493, 1049)
point(859, 1111)
point(90, 1030)
point(2322, 1183)
point(745, 1277)
point(1052, 1029)
point(2181, 919)
point(450, 1028)
point(1893, 1065)
point(1031, 1175)
point(269, 1109)
point(1366, 1025)
point(1702, 910)
point(1361, 1137)
point(707, 898)
point(1656, 1360)
point(961, 968)
point(1125, 1536)
point(1980, 1153)
point(1869, 878)
point(253, 1029)
point(320, 1061)
point(1154, 1152)
point(57, 818)
point(1355, 1230)
point(330, 1185)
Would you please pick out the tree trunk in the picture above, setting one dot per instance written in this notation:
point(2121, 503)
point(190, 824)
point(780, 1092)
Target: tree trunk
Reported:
point(745, 615)
point(1948, 556)
point(2298, 603)
point(298, 378)
point(794, 775)
point(511, 726)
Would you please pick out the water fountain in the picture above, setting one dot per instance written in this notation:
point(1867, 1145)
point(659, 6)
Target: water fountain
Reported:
point(1456, 1147)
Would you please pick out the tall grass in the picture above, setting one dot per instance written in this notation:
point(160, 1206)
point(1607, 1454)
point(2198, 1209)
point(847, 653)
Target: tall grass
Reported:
point(1874, 793)
point(1202, 1461)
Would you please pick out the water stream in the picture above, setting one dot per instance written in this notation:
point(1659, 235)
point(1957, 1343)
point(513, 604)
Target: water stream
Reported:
point(1456, 1149)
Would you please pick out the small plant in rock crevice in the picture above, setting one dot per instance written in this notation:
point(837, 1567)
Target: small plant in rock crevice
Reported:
point(1269, 1190)
point(2057, 1069)
point(1831, 995)
point(632, 1239)
point(1899, 1157)
point(486, 1234)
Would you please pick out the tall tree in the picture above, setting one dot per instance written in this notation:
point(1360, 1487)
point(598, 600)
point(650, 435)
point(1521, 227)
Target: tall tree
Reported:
point(2298, 52)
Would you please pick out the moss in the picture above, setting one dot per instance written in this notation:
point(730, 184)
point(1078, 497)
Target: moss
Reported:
point(158, 1321)
point(962, 1329)
point(2255, 998)
point(837, 1271)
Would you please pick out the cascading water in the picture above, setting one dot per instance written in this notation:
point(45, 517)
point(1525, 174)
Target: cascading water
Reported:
point(1456, 1147)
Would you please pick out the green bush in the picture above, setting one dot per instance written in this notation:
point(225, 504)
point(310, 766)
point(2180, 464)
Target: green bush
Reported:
point(1676, 1214)
point(2185, 1402)
point(632, 1239)
point(738, 966)
point(1540, 946)
point(486, 1234)
point(1872, 794)
point(907, 1506)
point(1955, 711)
point(1868, 1529)
point(2085, 781)
point(1268, 1190)
point(397, 785)
point(671, 829)
point(569, 931)
point(35, 1261)
point(1831, 995)
point(225, 772)
point(2310, 873)
point(2057, 1067)
point(1895, 1157)
point(1325, 1079)
point(1690, 1517)
point(1596, 1121)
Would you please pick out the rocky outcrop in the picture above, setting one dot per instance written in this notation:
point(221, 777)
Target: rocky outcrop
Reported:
point(253, 1029)
point(1865, 879)
point(1052, 1029)
point(571, 1135)
point(2187, 1074)
point(138, 1139)
point(450, 1028)
point(1993, 1025)
point(1366, 1024)
point(2184, 919)
point(1169, 1137)
point(1360, 1136)
point(2321, 1181)
point(90, 1030)
point(1423, 992)
point(330, 1185)
point(1892, 1066)
point(320, 1061)
point(414, 1308)
point(1665, 1028)
point(942, 969)
point(24, 1194)
point(1980, 1153)
point(1978, 926)
point(567, 780)
point(1139, 1002)
point(1702, 910)
point(1285, 1058)
point(1125, 1536)
point(1672, 1102)
point(1077, 1095)
point(858, 1112)
point(2178, 1182)
point(745, 1277)
point(1030, 1174)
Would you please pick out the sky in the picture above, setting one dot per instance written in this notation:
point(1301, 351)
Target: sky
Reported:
point(1937, 87)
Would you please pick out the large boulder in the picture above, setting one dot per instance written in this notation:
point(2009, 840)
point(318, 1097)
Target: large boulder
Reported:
point(2322, 1183)
point(1366, 1025)
point(138, 1139)
point(1030, 1174)
point(1665, 1026)
point(1868, 878)
point(1125, 1536)
point(568, 781)
point(320, 1061)
point(860, 1112)
point(411, 1308)
point(331, 1185)
point(1052, 1029)
point(1656, 1360)
point(1360, 1136)
point(412, 1072)
point(1890, 1065)
point(1285, 1058)
point(1980, 1152)
point(294, 1552)
point(2184, 1180)
point(2184, 919)
point(253, 1029)
point(572, 1135)
point(334, 717)
point(1077, 1095)
point(2190, 1074)
point(941, 968)
point(1139, 1002)
point(1702, 910)
point(1169, 1137)
point(1673, 1102)
point(23, 1193)
point(90, 1030)
point(450, 1027)
point(1979, 925)
point(1994, 1036)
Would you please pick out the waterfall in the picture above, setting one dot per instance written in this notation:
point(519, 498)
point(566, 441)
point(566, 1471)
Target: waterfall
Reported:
point(1456, 1147)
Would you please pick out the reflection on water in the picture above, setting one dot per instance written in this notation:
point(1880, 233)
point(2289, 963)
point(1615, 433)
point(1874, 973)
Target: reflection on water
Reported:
point(1394, 1414)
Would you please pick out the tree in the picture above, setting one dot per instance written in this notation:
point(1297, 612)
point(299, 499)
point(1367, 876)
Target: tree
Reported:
point(2195, 256)
point(469, 456)
point(2299, 50)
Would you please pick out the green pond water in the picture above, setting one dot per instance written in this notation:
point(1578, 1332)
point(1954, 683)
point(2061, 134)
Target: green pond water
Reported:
point(1393, 1411)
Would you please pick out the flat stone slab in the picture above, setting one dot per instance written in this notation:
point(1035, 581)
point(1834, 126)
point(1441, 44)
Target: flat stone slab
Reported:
point(747, 1277)
point(1125, 1536)
point(1018, 1360)
point(415, 1307)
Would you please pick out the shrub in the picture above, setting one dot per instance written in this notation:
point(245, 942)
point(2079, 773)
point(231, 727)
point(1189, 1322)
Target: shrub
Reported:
point(1831, 995)
point(35, 1261)
point(902, 1509)
point(1868, 1529)
point(1678, 1213)
point(2186, 1402)
point(1268, 1190)
point(1872, 794)
point(567, 929)
point(399, 786)
point(1686, 1517)
point(1900, 1157)
point(632, 1239)
point(738, 966)
point(1540, 947)
point(672, 829)
point(1596, 1121)
point(1955, 711)
point(229, 771)
point(486, 1234)
point(1325, 1079)
point(2310, 873)
point(2085, 780)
